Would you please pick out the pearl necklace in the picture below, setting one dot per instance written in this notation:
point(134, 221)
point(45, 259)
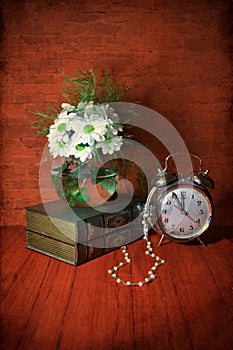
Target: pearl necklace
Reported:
point(149, 251)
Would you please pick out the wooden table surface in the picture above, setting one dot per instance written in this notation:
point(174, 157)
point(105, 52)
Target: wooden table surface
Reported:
point(47, 304)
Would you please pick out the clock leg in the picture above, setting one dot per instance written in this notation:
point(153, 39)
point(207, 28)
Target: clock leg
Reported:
point(202, 243)
point(160, 241)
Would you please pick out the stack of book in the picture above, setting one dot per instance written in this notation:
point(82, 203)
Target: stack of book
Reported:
point(78, 235)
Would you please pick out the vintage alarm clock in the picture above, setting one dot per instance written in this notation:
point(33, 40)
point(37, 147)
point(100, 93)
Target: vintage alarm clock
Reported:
point(179, 206)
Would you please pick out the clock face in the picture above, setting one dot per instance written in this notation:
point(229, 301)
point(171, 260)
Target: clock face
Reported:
point(184, 212)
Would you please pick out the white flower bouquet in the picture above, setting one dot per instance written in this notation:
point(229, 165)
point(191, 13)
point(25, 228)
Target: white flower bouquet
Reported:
point(84, 131)
point(82, 134)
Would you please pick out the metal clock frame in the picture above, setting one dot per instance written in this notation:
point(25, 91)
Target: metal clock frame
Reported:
point(164, 184)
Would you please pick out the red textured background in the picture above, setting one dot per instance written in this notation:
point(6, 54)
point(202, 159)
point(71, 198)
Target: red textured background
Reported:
point(175, 55)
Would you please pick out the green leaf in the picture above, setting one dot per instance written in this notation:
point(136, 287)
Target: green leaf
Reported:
point(95, 181)
point(104, 174)
point(73, 183)
point(72, 201)
point(62, 167)
point(74, 192)
point(82, 196)
point(109, 185)
point(55, 180)
point(107, 171)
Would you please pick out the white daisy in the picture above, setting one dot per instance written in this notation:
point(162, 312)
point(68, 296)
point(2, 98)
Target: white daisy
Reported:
point(88, 131)
point(67, 107)
point(113, 128)
point(59, 137)
point(66, 115)
point(109, 146)
point(79, 131)
point(83, 153)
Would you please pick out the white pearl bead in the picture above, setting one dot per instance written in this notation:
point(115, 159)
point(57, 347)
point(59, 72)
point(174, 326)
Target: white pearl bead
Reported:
point(148, 251)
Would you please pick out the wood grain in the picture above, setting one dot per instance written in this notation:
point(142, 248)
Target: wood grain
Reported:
point(47, 304)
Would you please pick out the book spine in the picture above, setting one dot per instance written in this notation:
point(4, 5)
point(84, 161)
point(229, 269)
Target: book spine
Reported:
point(113, 221)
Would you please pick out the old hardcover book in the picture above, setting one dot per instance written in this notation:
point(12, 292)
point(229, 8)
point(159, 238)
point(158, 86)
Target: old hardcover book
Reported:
point(78, 235)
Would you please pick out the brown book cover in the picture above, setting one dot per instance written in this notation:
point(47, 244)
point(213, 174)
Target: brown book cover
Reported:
point(78, 235)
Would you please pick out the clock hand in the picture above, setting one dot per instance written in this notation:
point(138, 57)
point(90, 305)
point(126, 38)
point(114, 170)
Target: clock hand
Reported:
point(186, 214)
point(174, 195)
point(193, 220)
point(180, 209)
point(182, 202)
